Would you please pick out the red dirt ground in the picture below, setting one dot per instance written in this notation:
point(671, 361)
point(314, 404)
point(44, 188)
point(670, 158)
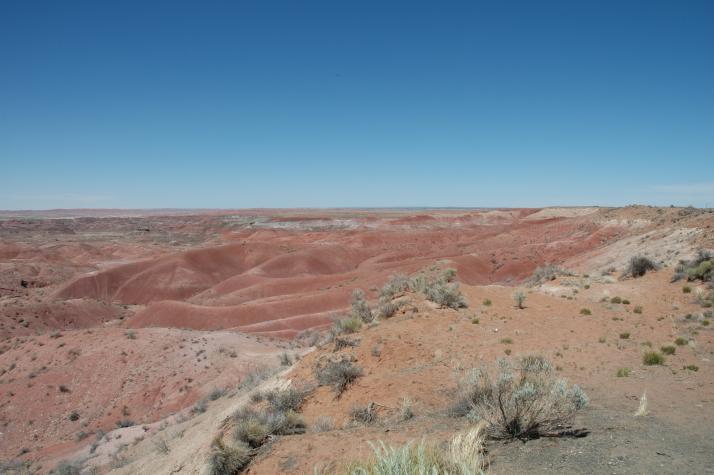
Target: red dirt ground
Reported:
point(196, 287)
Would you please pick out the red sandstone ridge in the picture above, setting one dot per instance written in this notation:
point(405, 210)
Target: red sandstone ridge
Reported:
point(296, 278)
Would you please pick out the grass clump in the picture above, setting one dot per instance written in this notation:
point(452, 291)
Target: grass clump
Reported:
point(253, 426)
point(668, 349)
point(639, 266)
point(364, 414)
point(519, 297)
point(462, 456)
point(625, 335)
point(287, 399)
point(360, 308)
point(347, 325)
point(623, 372)
point(65, 468)
point(547, 273)
point(686, 289)
point(699, 268)
point(524, 401)
point(585, 311)
point(439, 288)
point(652, 358)
point(680, 341)
point(336, 373)
point(637, 309)
point(395, 286)
point(487, 302)
point(225, 459)
point(692, 367)
point(616, 299)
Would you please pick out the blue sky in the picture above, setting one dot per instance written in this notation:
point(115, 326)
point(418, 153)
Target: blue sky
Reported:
point(289, 104)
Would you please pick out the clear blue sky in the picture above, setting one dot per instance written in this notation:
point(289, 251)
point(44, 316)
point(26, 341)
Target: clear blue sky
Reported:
point(282, 104)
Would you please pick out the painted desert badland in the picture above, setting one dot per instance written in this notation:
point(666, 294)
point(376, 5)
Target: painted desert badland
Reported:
point(300, 341)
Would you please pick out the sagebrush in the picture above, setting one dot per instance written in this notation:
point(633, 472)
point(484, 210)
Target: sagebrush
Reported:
point(525, 400)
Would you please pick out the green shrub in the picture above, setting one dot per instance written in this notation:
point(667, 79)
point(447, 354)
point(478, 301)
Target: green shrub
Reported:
point(639, 265)
point(337, 373)
point(687, 289)
point(681, 341)
point(462, 456)
point(487, 302)
point(360, 308)
point(439, 288)
point(692, 367)
point(623, 372)
point(625, 335)
point(519, 297)
point(546, 273)
point(396, 285)
point(616, 300)
point(585, 311)
point(651, 358)
point(637, 309)
point(506, 341)
point(64, 468)
point(668, 349)
point(364, 414)
point(445, 294)
point(522, 402)
point(227, 460)
point(347, 325)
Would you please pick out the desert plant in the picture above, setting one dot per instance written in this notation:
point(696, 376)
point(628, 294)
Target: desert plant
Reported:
point(200, 407)
point(405, 409)
point(337, 373)
point(463, 456)
point(686, 289)
point(360, 308)
point(285, 359)
point(439, 288)
point(585, 311)
point(323, 424)
point(487, 302)
point(446, 294)
point(225, 459)
point(699, 268)
point(73, 416)
point(546, 273)
point(692, 367)
point(216, 393)
point(347, 325)
point(637, 309)
point(623, 372)
point(287, 399)
point(639, 265)
point(519, 297)
point(67, 468)
point(387, 308)
point(364, 414)
point(651, 358)
point(341, 343)
point(396, 285)
point(668, 349)
point(253, 426)
point(616, 299)
point(625, 335)
point(524, 402)
point(130, 334)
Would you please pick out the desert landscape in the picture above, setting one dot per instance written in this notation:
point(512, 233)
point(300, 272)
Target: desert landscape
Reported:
point(209, 342)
